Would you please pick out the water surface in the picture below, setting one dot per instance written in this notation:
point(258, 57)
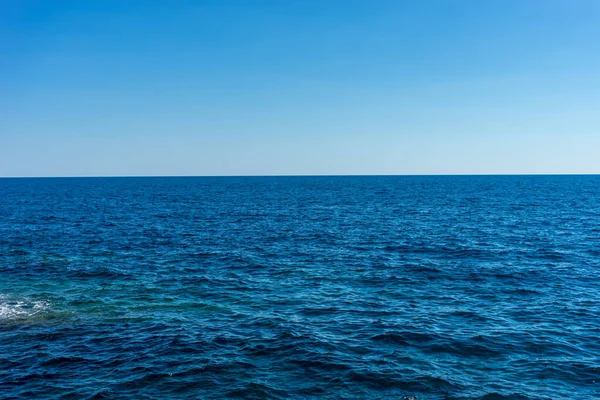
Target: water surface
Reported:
point(300, 287)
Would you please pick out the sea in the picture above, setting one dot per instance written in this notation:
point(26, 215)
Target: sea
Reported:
point(332, 287)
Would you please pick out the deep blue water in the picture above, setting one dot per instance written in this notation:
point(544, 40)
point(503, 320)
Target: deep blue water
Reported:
point(300, 287)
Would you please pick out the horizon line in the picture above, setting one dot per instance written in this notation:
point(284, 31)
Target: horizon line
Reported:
point(294, 175)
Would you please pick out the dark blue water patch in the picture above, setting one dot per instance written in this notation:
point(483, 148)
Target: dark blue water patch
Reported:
point(300, 287)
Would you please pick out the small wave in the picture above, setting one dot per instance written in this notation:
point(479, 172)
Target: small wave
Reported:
point(403, 338)
point(64, 361)
point(257, 390)
point(522, 291)
point(423, 269)
point(498, 396)
point(12, 309)
point(391, 338)
point(463, 349)
point(98, 272)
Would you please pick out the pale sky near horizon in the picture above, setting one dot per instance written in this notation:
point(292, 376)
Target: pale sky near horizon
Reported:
point(272, 87)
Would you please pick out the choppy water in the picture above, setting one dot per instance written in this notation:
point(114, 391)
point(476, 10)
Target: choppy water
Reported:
point(305, 287)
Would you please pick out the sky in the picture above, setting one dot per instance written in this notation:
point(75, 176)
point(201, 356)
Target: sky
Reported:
point(299, 87)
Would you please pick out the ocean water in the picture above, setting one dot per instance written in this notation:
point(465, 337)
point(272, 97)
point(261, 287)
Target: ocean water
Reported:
point(481, 287)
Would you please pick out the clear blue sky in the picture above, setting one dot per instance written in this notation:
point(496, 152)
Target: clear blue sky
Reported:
point(117, 87)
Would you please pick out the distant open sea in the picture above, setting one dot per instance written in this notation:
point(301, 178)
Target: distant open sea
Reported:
point(375, 287)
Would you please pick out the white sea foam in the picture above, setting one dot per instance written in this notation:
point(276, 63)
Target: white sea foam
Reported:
point(20, 308)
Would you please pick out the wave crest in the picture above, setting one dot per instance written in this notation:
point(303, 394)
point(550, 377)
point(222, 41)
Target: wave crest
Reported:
point(15, 309)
